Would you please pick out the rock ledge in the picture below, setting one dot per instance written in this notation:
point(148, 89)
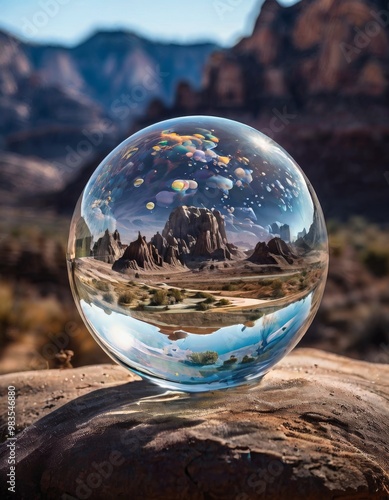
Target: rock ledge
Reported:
point(315, 428)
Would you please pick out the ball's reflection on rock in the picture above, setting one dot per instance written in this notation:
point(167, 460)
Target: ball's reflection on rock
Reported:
point(198, 253)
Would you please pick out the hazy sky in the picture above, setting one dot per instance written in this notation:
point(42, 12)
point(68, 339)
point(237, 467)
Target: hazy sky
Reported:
point(70, 21)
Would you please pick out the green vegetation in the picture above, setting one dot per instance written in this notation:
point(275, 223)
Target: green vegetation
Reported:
point(159, 298)
point(103, 286)
point(233, 359)
point(176, 293)
point(255, 317)
point(203, 358)
point(224, 302)
point(230, 287)
point(202, 306)
point(202, 295)
point(247, 359)
point(108, 297)
point(277, 289)
point(126, 298)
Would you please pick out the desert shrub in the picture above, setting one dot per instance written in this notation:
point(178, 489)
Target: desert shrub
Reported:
point(126, 298)
point(224, 302)
point(159, 298)
point(254, 317)
point(202, 306)
point(210, 300)
point(202, 295)
point(103, 286)
point(140, 307)
point(233, 359)
point(203, 358)
point(229, 288)
point(247, 359)
point(174, 292)
point(265, 282)
point(108, 297)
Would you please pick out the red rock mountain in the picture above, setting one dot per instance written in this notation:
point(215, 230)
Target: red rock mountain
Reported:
point(271, 252)
point(190, 234)
point(312, 47)
point(199, 233)
point(108, 248)
point(139, 255)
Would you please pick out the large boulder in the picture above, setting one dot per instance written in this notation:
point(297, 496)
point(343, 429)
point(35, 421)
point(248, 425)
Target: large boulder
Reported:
point(316, 427)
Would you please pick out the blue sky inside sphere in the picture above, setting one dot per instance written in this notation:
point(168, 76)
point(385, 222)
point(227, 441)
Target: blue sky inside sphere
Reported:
point(69, 22)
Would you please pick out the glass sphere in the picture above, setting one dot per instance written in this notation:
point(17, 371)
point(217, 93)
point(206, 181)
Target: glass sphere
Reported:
point(198, 253)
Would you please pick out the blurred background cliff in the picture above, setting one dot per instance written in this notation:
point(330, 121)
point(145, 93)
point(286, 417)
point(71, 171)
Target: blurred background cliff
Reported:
point(311, 74)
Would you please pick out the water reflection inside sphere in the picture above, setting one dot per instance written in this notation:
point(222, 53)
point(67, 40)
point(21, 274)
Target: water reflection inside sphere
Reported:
point(198, 253)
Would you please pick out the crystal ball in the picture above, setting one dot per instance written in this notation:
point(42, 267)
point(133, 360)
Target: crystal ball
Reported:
point(198, 253)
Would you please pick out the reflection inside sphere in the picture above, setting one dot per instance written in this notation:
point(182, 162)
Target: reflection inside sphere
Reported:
point(198, 253)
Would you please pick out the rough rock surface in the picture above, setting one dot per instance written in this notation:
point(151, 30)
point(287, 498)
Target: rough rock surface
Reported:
point(108, 248)
point(20, 176)
point(315, 428)
point(199, 232)
point(190, 233)
point(139, 254)
point(270, 253)
point(317, 39)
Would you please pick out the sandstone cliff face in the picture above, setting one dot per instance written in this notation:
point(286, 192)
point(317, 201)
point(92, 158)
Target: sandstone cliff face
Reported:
point(108, 248)
point(312, 47)
point(139, 255)
point(315, 237)
point(190, 234)
point(199, 233)
point(270, 253)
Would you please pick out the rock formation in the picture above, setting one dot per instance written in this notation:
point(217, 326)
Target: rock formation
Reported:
point(315, 237)
point(316, 428)
point(83, 241)
point(139, 255)
point(108, 248)
point(318, 39)
point(200, 234)
point(285, 232)
point(316, 234)
point(271, 252)
point(190, 234)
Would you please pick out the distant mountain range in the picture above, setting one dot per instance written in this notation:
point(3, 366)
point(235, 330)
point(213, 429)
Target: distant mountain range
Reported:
point(190, 237)
point(66, 104)
point(314, 76)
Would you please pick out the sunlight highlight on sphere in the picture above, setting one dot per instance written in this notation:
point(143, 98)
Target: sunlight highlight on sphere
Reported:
point(198, 253)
